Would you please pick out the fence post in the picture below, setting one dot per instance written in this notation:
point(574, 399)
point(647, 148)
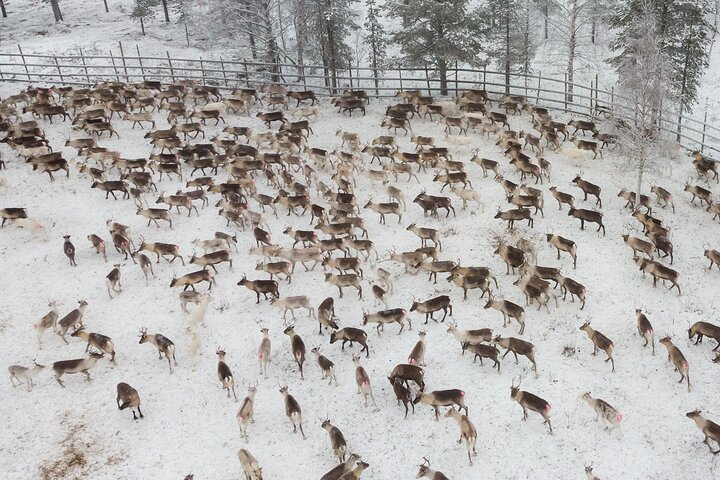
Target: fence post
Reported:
point(112, 58)
point(172, 71)
point(591, 97)
point(222, 65)
point(537, 94)
point(400, 77)
point(202, 70)
point(456, 78)
point(122, 56)
point(702, 142)
point(82, 59)
point(247, 77)
point(304, 78)
point(565, 88)
point(58, 69)
point(142, 69)
point(24, 63)
point(427, 80)
point(597, 88)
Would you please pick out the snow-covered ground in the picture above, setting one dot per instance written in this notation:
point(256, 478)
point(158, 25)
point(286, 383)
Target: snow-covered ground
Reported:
point(189, 423)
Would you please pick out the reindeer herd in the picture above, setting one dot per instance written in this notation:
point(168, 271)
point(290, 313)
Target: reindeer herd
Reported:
point(291, 197)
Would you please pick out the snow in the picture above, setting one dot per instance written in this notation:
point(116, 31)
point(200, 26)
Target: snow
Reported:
point(189, 423)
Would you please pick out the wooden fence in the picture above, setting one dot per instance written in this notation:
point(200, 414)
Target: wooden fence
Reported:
point(554, 93)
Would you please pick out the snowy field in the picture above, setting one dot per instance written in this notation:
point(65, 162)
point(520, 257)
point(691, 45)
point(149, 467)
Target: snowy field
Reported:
point(189, 423)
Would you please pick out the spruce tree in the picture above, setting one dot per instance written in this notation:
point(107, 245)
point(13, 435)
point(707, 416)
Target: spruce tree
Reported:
point(437, 34)
point(684, 35)
point(374, 37)
point(508, 33)
point(332, 21)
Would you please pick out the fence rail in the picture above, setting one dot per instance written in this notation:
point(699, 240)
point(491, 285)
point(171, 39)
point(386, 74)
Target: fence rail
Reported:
point(554, 93)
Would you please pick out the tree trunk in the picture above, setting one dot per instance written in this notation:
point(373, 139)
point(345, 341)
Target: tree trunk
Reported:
point(442, 69)
point(56, 10)
point(332, 54)
point(405, 17)
point(2, 9)
point(545, 17)
point(641, 170)
point(572, 45)
point(506, 21)
point(271, 55)
point(373, 53)
point(142, 26)
point(165, 10)
point(107, 10)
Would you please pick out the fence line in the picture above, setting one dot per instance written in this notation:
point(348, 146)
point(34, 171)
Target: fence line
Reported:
point(228, 74)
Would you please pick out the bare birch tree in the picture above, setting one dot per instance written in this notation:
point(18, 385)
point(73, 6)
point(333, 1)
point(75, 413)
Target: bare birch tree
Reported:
point(643, 91)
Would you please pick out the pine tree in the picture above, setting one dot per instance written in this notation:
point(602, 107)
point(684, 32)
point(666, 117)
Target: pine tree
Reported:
point(332, 21)
point(509, 42)
point(684, 34)
point(437, 34)
point(375, 37)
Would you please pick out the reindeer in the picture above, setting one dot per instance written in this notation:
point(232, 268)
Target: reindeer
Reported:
point(710, 429)
point(130, 398)
point(345, 280)
point(468, 283)
point(658, 270)
point(468, 433)
point(513, 257)
point(429, 307)
point(508, 310)
point(600, 342)
point(72, 318)
point(481, 351)
point(588, 188)
point(701, 329)
point(442, 398)
point(384, 209)
point(426, 471)
point(293, 303)
point(645, 329)
point(326, 314)
point(47, 321)
point(603, 410)
point(351, 334)
point(69, 250)
point(515, 345)
point(512, 216)
point(24, 374)
point(225, 374)
point(528, 401)
point(395, 315)
point(664, 196)
point(80, 365)
point(638, 245)
point(293, 411)
point(327, 367)
point(95, 340)
point(363, 381)
point(162, 343)
point(471, 337)
point(589, 216)
point(699, 192)
point(261, 286)
point(297, 346)
point(678, 360)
